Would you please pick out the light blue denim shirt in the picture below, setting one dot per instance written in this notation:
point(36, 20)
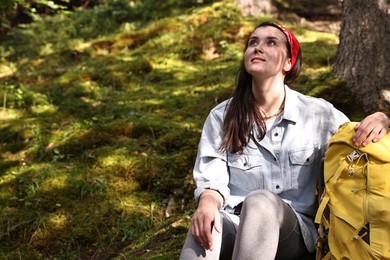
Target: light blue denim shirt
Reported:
point(289, 168)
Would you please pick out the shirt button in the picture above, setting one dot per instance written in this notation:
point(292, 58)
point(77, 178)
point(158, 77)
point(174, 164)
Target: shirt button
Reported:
point(277, 186)
point(276, 134)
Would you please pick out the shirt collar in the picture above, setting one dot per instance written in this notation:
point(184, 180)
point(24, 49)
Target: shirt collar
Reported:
point(291, 110)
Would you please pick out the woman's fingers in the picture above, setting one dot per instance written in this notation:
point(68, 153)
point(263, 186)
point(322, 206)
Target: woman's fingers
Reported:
point(201, 230)
point(371, 129)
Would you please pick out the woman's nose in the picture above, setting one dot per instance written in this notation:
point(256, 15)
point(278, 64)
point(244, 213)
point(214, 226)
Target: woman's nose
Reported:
point(258, 49)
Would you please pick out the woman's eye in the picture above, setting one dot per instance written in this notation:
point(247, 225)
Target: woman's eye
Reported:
point(271, 43)
point(252, 42)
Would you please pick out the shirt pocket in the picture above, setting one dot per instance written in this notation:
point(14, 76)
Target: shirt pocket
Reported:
point(302, 165)
point(245, 173)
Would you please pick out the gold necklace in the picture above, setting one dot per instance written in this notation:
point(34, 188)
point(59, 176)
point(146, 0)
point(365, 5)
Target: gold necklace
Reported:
point(280, 110)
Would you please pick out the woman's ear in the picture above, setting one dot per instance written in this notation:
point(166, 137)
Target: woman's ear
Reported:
point(287, 65)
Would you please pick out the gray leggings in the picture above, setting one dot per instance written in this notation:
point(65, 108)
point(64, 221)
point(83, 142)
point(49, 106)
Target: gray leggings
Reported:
point(268, 229)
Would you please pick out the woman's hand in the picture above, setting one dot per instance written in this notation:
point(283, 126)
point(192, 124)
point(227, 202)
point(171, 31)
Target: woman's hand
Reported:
point(207, 218)
point(372, 128)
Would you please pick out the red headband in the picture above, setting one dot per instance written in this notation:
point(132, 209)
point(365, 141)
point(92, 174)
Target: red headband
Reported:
point(294, 44)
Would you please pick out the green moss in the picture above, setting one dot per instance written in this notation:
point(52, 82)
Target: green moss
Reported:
point(164, 242)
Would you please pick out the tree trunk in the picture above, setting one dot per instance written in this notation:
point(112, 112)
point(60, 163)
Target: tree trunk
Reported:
point(315, 9)
point(255, 7)
point(363, 55)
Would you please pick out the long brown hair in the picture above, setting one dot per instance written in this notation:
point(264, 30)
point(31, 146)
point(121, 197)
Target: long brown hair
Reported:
point(241, 114)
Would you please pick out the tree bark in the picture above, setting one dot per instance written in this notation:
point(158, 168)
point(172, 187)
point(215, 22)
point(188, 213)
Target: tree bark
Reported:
point(363, 55)
point(315, 9)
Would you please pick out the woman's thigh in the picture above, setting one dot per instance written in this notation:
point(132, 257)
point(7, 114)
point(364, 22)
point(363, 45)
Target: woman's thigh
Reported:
point(291, 244)
point(263, 206)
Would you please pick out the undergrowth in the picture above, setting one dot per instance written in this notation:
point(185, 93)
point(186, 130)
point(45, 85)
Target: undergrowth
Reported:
point(101, 113)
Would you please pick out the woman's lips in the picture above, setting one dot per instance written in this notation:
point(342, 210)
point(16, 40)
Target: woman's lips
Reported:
point(257, 59)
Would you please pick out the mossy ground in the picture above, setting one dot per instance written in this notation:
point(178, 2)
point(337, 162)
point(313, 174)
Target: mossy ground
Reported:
point(101, 113)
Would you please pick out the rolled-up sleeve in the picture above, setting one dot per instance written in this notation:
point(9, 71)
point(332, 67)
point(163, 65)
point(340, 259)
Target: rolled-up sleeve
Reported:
point(210, 170)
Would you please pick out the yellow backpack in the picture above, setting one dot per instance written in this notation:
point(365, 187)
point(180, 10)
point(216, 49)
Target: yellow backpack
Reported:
point(354, 210)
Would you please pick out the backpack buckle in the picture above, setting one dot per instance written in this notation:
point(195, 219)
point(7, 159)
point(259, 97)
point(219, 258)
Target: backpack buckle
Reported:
point(351, 172)
point(352, 156)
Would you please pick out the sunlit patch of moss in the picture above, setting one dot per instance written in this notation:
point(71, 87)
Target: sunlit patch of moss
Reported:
point(58, 220)
point(79, 45)
point(7, 69)
point(313, 36)
point(54, 183)
point(172, 65)
point(122, 163)
point(43, 109)
point(123, 185)
point(9, 114)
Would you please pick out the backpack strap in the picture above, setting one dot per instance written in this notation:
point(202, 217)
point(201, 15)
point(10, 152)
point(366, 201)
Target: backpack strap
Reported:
point(325, 196)
point(335, 177)
point(322, 206)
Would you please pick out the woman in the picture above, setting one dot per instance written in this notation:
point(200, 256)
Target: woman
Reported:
point(260, 155)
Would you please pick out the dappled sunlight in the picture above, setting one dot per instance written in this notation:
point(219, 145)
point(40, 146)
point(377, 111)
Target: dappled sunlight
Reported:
point(58, 220)
point(313, 36)
point(154, 102)
point(23, 171)
point(44, 109)
point(7, 70)
point(36, 63)
point(67, 130)
point(120, 162)
point(196, 91)
point(53, 183)
point(171, 64)
point(136, 203)
point(9, 114)
point(317, 72)
point(79, 45)
point(46, 49)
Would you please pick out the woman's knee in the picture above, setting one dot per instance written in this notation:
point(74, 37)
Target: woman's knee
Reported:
point(264, 201)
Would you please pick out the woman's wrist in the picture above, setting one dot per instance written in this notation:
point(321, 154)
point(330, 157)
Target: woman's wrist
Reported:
point(212, 196)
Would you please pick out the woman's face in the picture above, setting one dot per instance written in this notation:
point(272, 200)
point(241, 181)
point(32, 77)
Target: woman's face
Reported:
point(266, 54)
